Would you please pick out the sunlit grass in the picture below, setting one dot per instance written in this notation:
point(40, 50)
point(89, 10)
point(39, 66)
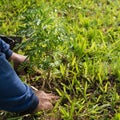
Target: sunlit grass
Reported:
point(75, 46)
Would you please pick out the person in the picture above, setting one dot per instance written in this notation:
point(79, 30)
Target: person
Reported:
point(15, 95)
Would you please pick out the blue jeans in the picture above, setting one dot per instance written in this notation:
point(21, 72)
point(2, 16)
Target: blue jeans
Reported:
point(15, 96)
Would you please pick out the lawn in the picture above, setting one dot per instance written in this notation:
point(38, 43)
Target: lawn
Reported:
point(74, 51)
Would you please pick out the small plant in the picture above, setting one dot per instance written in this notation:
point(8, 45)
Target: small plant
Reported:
point(74, 51)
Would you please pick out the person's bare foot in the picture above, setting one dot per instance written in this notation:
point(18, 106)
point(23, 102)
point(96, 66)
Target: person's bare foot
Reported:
point(45, 101)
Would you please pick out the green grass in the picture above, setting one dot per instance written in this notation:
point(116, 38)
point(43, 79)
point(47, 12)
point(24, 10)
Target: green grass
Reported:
point(75, 45)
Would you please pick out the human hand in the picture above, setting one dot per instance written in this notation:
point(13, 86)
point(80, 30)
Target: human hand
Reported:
point(45, 100)
point(17, 58)
point(19, 62)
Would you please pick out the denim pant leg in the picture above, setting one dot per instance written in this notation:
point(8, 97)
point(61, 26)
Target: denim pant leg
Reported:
point(15, 96)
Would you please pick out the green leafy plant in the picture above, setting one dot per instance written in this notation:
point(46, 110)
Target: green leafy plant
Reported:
point(74, 51)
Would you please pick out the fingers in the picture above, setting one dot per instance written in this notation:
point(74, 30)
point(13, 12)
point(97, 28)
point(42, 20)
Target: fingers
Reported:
point(54, 98)
point(47, 96)
point(45, 100)
point(46, 105)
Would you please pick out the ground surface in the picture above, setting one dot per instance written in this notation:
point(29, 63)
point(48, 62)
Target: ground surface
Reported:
point(74, 51)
